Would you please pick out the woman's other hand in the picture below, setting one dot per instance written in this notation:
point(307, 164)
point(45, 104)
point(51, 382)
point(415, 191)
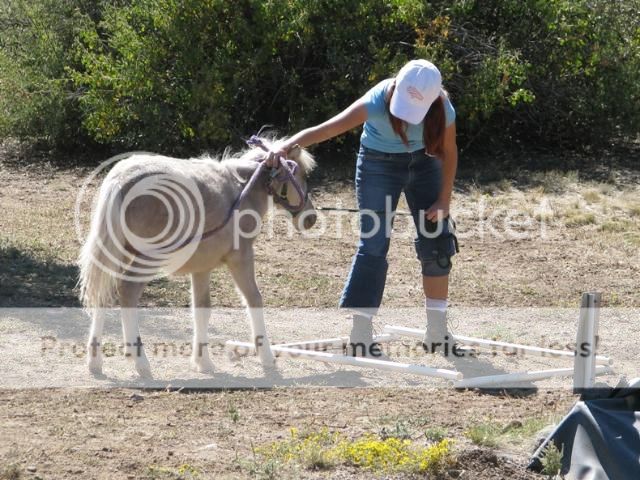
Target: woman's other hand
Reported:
point(440, 209)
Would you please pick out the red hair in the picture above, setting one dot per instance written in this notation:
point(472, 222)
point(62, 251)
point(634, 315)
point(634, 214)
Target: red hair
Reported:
point(433, 130)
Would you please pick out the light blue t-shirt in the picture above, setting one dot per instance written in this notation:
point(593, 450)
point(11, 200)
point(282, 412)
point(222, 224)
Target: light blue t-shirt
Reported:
point(378, 133)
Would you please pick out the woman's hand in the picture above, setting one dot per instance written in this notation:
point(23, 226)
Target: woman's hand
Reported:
point(440, 209)
point(274, 155)
point(354, 115)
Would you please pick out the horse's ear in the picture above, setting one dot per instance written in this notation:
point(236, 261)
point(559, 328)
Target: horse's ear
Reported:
point(294, 152)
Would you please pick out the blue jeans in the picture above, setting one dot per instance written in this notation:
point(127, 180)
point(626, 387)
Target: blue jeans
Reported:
point(380, 179)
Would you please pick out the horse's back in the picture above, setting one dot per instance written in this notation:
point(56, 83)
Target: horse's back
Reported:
point(164, 195)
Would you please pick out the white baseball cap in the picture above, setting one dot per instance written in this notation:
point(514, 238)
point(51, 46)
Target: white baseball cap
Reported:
point(418, 84)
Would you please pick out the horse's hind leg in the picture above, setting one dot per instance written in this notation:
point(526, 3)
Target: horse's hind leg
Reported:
point(201, 304)
point(130, 292)
point(242, 270)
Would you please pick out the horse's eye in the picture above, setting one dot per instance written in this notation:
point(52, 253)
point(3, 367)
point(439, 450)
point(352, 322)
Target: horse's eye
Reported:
point(283, 190)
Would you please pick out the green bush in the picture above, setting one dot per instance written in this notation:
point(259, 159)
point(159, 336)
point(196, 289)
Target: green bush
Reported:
point(187, 75)
point(38, 100)
point(583, 67)
point(194, 74)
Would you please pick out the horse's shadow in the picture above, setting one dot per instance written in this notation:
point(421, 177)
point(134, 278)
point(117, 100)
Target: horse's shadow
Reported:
point(469, 366)
point(227, 381)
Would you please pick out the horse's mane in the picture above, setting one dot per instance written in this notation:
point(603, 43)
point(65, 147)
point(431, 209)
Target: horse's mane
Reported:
point(253, 154)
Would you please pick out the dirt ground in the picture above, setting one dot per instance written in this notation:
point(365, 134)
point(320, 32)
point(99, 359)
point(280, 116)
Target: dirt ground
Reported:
point(530, 245)
point(131, 434)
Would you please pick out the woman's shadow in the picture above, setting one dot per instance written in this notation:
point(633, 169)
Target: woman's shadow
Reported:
point(476, 363)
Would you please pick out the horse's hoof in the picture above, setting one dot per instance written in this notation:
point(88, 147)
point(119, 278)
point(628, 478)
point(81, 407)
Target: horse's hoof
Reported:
point(144, 370)
point(233, 356)
point(144, 373)
point(202, 365)
point(271, 372)
point(268, 361)
point(95, 366)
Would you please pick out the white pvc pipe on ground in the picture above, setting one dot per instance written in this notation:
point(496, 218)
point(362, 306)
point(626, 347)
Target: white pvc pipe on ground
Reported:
point(509, 378)
point(313, 345)
point(338, 342)
point(494, 344)
point(354, 361)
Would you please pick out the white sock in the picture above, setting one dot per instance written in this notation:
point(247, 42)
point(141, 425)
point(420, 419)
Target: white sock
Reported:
point(436, 304)
point(360, 317)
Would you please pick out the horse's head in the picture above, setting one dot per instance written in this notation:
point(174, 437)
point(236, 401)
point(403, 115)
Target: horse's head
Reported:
point(292, 194)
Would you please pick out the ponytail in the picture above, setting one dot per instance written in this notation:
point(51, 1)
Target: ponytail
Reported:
point(434, 126)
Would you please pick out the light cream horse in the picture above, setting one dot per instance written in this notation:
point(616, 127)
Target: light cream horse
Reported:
point(157, 214)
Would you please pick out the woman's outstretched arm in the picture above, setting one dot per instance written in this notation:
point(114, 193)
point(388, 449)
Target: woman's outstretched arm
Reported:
point(350, 117)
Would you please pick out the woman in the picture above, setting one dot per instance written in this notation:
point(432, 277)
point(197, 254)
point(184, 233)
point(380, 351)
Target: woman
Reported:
point(408, 144)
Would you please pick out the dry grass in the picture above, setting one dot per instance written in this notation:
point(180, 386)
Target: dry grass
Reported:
point(11, 472)
point(495, 434)
point(578, 230)
point(582, 236)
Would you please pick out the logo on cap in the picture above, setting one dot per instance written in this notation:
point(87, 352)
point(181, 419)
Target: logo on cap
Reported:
point(414, 93)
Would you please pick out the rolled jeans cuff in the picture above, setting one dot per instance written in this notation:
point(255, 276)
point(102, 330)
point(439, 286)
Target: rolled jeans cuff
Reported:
point(365, 285)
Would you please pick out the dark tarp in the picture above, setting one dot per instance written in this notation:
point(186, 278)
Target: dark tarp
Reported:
point(600, 437)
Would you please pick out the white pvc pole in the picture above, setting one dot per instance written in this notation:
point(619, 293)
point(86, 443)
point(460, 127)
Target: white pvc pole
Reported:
point(314, 345)
point(338, 342)
point(584, 365)
point(355, 361)
point(494, 344)
point(503, 379)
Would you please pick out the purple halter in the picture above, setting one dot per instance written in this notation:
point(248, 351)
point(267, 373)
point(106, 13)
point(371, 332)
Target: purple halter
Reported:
point(285, 174)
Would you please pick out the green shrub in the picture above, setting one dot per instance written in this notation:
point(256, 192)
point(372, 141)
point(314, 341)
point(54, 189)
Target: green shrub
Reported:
point(187, 75)
point(552, 460)
point(196, 74)
point(38, 100)
point(583, 67)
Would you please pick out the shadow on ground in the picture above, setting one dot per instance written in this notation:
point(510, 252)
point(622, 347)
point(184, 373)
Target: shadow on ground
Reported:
point(29, 281)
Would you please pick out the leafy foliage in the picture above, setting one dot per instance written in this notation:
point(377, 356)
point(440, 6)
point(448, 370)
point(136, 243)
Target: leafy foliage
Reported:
point(37, 97)
point(186, 75)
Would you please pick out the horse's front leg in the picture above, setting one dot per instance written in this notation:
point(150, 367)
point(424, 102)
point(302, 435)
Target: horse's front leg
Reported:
point(201, 304)
point(94, 347)
point(242, 270)
point(130, 292)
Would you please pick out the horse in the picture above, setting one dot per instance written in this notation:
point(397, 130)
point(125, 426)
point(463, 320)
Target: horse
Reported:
point(156, 215)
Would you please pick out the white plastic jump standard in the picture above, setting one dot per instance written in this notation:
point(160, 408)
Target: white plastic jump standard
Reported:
point(585, 367)
point(586, 363)
point(353, 361)
point(531, 376)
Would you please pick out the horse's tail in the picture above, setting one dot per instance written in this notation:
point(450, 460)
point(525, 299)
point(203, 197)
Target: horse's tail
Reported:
point(102, 256)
